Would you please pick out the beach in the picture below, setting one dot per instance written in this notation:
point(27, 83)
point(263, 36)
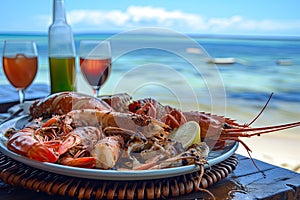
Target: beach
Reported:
point(278, 148)
point(175, 71)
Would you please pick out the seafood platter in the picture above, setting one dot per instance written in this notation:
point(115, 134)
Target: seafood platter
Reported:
point(115, 138)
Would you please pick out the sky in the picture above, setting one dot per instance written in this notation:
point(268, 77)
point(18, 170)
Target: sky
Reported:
point(231, 17)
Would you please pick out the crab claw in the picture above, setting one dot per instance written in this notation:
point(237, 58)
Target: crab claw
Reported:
point(84, 162)
point(107, 152)
point(69, 142)
point(174, 119)
point(42, 153)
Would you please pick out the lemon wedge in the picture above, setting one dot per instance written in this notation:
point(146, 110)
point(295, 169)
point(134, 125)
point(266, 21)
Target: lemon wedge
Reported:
point(187, 134)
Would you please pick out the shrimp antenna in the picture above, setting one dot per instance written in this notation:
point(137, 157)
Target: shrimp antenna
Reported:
point(262, 110)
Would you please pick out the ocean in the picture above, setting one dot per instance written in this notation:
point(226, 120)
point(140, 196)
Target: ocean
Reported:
point(174, 69)
point(156, 64)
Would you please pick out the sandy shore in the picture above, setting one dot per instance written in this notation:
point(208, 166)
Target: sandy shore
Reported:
point(280, 150)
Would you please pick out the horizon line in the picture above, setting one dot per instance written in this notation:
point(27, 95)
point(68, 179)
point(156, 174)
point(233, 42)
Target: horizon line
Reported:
point(204, 35)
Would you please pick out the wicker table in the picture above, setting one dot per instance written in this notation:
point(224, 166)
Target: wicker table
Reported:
point(243, 183)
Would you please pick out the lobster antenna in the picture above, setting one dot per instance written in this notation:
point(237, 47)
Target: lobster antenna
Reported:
point(252, 160)
point(262, 110)
point(255, 165)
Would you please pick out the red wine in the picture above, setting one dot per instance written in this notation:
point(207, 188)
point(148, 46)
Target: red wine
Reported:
point(95, 71)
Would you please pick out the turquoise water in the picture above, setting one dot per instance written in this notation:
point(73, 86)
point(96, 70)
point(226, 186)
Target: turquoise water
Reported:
point(174, 69)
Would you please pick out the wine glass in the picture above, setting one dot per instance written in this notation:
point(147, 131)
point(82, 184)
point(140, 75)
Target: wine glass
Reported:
point(95, 62)
point(20, 63)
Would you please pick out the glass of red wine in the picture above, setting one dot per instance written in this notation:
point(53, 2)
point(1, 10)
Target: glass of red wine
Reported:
point(20, 64)
point(95, 62)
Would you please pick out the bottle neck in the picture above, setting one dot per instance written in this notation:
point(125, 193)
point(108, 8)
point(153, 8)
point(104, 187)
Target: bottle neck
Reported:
point(59, 11)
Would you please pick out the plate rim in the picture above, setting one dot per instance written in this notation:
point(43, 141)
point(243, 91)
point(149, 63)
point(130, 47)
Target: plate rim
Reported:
point(99, 174)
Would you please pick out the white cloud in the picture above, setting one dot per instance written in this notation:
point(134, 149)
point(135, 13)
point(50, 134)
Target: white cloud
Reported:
point(224, 23)
point(160, 16)
point(135, 16)
point(145, 16)
point(93, 17)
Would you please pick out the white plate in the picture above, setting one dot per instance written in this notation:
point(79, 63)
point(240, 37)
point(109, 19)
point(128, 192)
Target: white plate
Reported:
point(213, 158)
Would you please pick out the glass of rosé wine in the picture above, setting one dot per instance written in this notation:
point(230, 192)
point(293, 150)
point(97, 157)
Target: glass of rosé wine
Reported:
point(95, 62)
point(20, 64)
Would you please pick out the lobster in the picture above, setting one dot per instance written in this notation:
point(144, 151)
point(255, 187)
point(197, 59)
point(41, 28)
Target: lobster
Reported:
point(48, 142)
point(215, 130)
point(63, 102)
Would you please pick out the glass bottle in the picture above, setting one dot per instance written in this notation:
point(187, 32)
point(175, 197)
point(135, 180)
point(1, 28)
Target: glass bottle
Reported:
point(61, 51)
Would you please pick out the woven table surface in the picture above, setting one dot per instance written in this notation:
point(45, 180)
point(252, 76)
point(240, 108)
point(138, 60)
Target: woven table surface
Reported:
point(19, 174)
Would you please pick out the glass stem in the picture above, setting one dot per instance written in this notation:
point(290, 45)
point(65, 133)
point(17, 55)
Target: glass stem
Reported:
point(96, 92)
point(21, 95)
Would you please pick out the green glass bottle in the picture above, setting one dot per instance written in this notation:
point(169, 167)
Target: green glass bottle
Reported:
point(61, 51)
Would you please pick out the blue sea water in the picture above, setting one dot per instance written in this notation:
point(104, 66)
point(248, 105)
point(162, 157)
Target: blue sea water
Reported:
point(168, 66)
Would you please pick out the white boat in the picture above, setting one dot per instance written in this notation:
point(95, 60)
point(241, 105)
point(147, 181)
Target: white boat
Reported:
point(285, 62)
point(222, 60)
